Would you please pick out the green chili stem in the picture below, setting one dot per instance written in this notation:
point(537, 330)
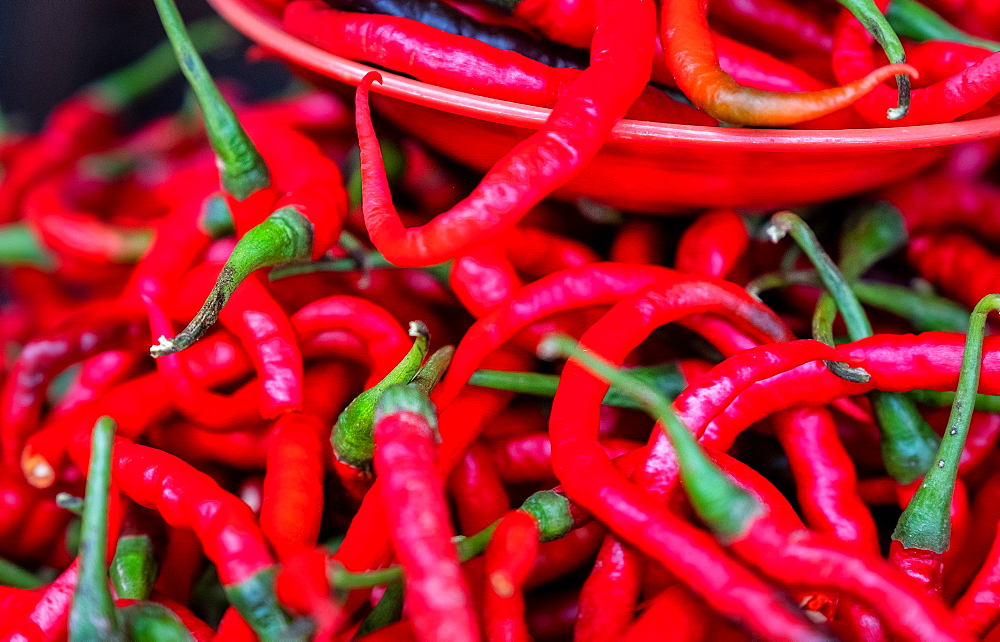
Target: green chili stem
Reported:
point(822, 329)
point(93, 615)
point(927, 312)
point(915, 21)
point(868, 237)
point(432, 371)
point(242, 169)
point(20, 246)
point(388, 610)
point(937, 398)
point(726, 508)
point(373, 260)
point(352, 436)
point(854, 316)
point(869, 15)
point(666, 377)
point(158, 65)
point(134, 567)
point(926, 522)
point(13, 575)
point(285, 235)
point(70, 502)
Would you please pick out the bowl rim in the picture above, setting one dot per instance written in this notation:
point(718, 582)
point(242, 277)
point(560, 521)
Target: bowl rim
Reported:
point(257, 23)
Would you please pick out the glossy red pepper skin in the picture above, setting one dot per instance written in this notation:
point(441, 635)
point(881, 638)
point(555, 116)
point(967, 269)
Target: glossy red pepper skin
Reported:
point(413, 492)
point(477, 491)
point(610, 593)
point(509, 557)
point(580, 122)
point(687, 617)
point(712, 244)
point(825, 478)
point(777, 23)
point(41, 614)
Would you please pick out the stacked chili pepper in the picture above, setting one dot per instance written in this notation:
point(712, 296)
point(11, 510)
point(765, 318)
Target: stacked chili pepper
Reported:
point(353, 435)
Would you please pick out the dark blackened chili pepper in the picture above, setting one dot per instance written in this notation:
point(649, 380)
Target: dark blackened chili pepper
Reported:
point(581, 120)
point(691, 57)
point(923, 532)
point(440, 15)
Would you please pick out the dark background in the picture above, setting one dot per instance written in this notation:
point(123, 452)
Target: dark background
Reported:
point(50, 48)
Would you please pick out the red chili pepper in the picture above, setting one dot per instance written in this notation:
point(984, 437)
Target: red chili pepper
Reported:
point(825, 478)
point(365, 544)
point(477, 491)
point(581, 120)
point(527, 458)
point(303, 587)
point(483, 278)
point(690, 55)
point(413, 493)
point(761, 534)
point(292, 507)
point(227, 529)
point(537, 253)
point(89, 332)
point(713, 244)
point(509, 558)
point(610, 593)
point(688, 619)
point(942, 102)
point(384, 338)
point(40, 614)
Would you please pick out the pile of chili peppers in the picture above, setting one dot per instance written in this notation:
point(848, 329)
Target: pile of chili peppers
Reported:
point(245, 397)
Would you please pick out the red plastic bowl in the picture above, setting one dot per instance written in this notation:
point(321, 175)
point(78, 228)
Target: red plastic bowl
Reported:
point(650, 167)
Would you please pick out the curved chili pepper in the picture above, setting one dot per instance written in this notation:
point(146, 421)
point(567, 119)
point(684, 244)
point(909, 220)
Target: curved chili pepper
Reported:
point(405, 427)
point(941, 102)
point(291, 510)
point(923, 532)
point(509, 557)
point(365, 544)
point(652, 528)
point(528, 457)
point(352, 434)
point(956, 263)
point(483, 278)
point(228, 532)
point(477, 491)
point(907, 441)
point(582, 118)
point(825, 479)
point(89, 332)
point(761, 536)
point(776, 22)
point(609, 595)
point(385, 339)
point(691, 57)
point(40, 614)
point(712, 244)
point(307, 199)
point(443, 16)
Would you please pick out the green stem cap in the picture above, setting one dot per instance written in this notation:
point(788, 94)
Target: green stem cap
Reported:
point(926, 522)
point(285, 235)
